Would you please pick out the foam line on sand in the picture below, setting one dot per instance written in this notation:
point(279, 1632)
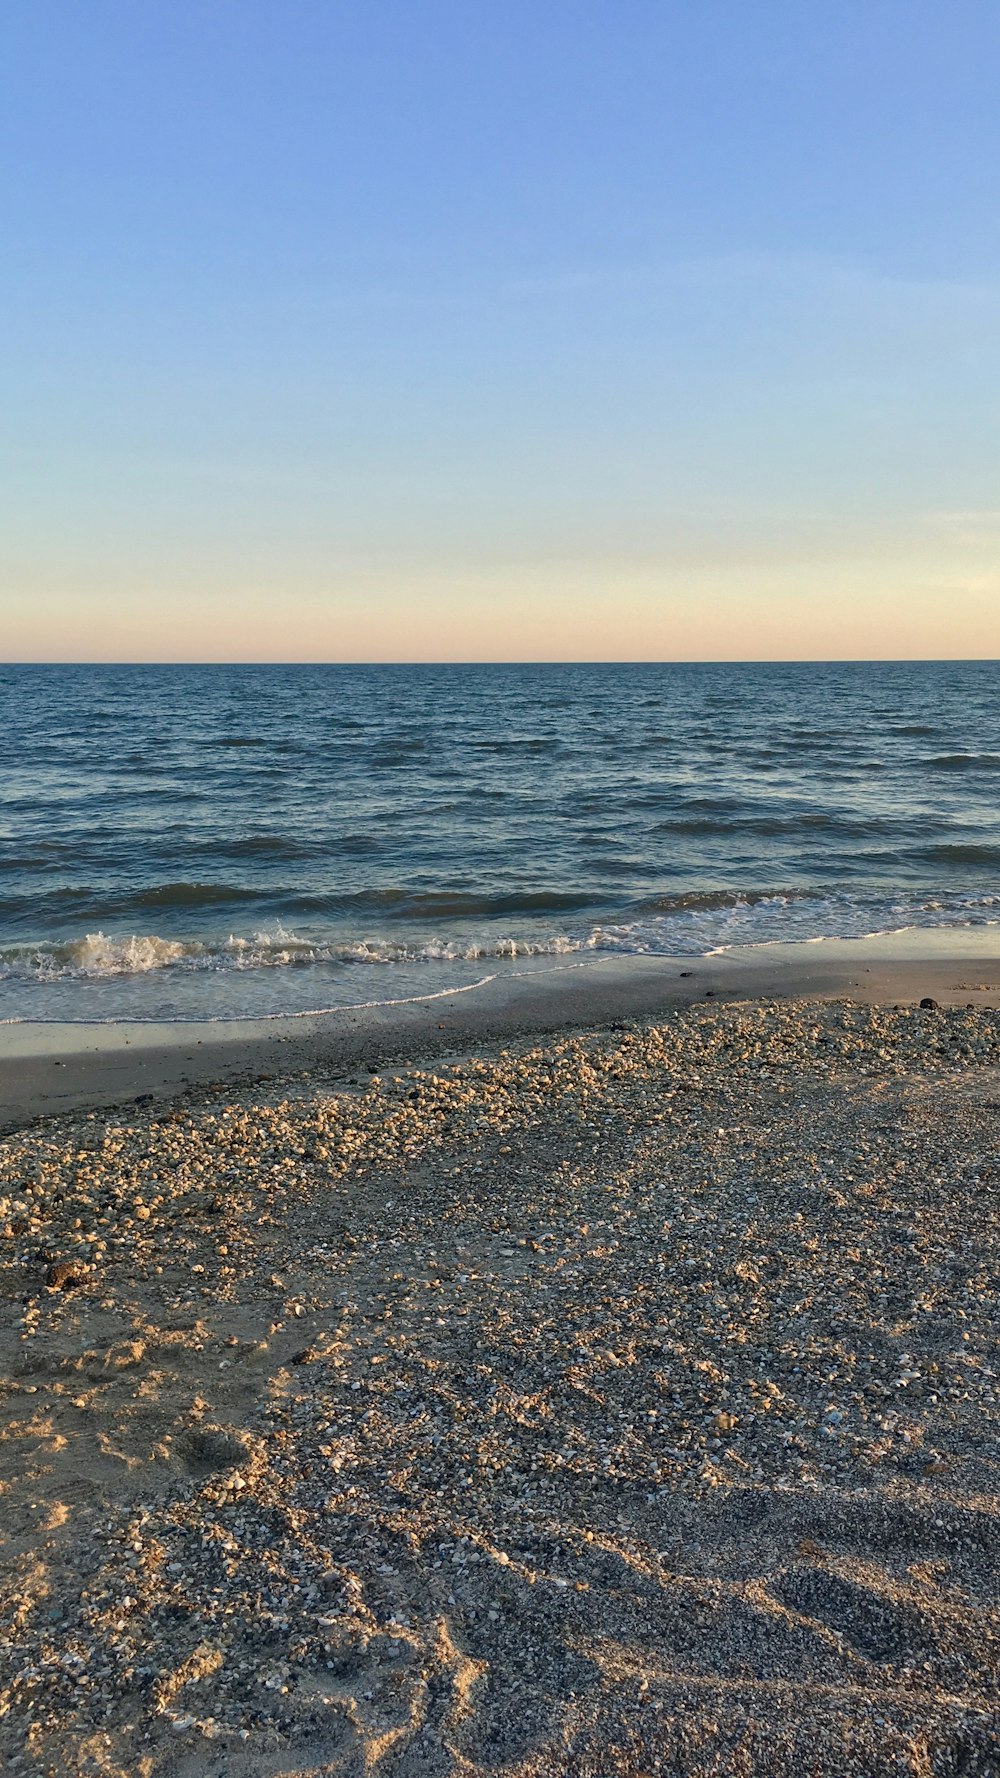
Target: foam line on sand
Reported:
point(46, 1068)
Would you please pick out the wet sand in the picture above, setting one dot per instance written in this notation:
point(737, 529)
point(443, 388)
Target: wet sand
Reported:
point(48, 1068)
point(620, 1402)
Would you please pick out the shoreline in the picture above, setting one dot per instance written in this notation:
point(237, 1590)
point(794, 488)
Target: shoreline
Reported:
point(47, 1069)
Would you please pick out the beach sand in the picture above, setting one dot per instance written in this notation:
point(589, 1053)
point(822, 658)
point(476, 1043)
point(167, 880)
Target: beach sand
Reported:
point(615, 1402)
point(50, 1068)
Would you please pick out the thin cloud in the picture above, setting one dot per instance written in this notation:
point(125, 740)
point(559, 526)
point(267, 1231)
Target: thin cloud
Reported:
point(975, 527)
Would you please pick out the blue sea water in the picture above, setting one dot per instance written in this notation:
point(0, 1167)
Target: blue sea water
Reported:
point(193, 842)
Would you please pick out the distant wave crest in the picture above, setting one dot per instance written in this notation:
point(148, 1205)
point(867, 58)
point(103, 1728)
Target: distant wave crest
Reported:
point(964, 762)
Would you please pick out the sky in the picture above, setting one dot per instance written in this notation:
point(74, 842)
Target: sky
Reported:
point(443, 330)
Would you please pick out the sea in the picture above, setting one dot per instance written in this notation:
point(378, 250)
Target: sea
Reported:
point(222, 842)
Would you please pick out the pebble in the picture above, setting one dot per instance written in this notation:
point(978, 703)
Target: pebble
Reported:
point(675, 1347)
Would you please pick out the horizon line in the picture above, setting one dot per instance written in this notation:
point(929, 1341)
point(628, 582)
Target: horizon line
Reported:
point(687, 661)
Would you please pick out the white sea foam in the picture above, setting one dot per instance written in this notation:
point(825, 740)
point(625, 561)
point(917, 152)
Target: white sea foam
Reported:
point(98, 956)
point(700, 927)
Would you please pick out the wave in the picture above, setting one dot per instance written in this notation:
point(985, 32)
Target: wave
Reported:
point(186, 895)
point(259, 845)
point(683, 924)
point(406, 904)
point(94, 955)
point(399, 753)
point(963, 852)
point(774, 825)
point(518, 744)
point(90, 902)
point(97, 955)
point(40, 860)
point(962, 762)
point(716, 900)
point(237, 741)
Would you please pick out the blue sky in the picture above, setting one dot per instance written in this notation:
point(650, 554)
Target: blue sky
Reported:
point(440, 330)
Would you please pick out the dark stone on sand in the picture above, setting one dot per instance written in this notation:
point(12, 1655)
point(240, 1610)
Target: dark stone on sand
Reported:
point(928, 1005)
point(203, 1450)
point(66, 1274)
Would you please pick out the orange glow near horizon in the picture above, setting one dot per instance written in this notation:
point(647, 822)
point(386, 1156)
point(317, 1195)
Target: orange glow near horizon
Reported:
point(584, 613)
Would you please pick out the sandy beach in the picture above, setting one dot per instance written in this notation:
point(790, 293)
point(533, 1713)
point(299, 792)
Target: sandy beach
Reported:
point(595, 1382)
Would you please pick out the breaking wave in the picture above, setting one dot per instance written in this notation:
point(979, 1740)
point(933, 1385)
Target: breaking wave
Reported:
point(695, 923)
point(97, 955)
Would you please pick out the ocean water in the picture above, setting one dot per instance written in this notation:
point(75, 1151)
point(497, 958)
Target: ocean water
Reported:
point(220, 842)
